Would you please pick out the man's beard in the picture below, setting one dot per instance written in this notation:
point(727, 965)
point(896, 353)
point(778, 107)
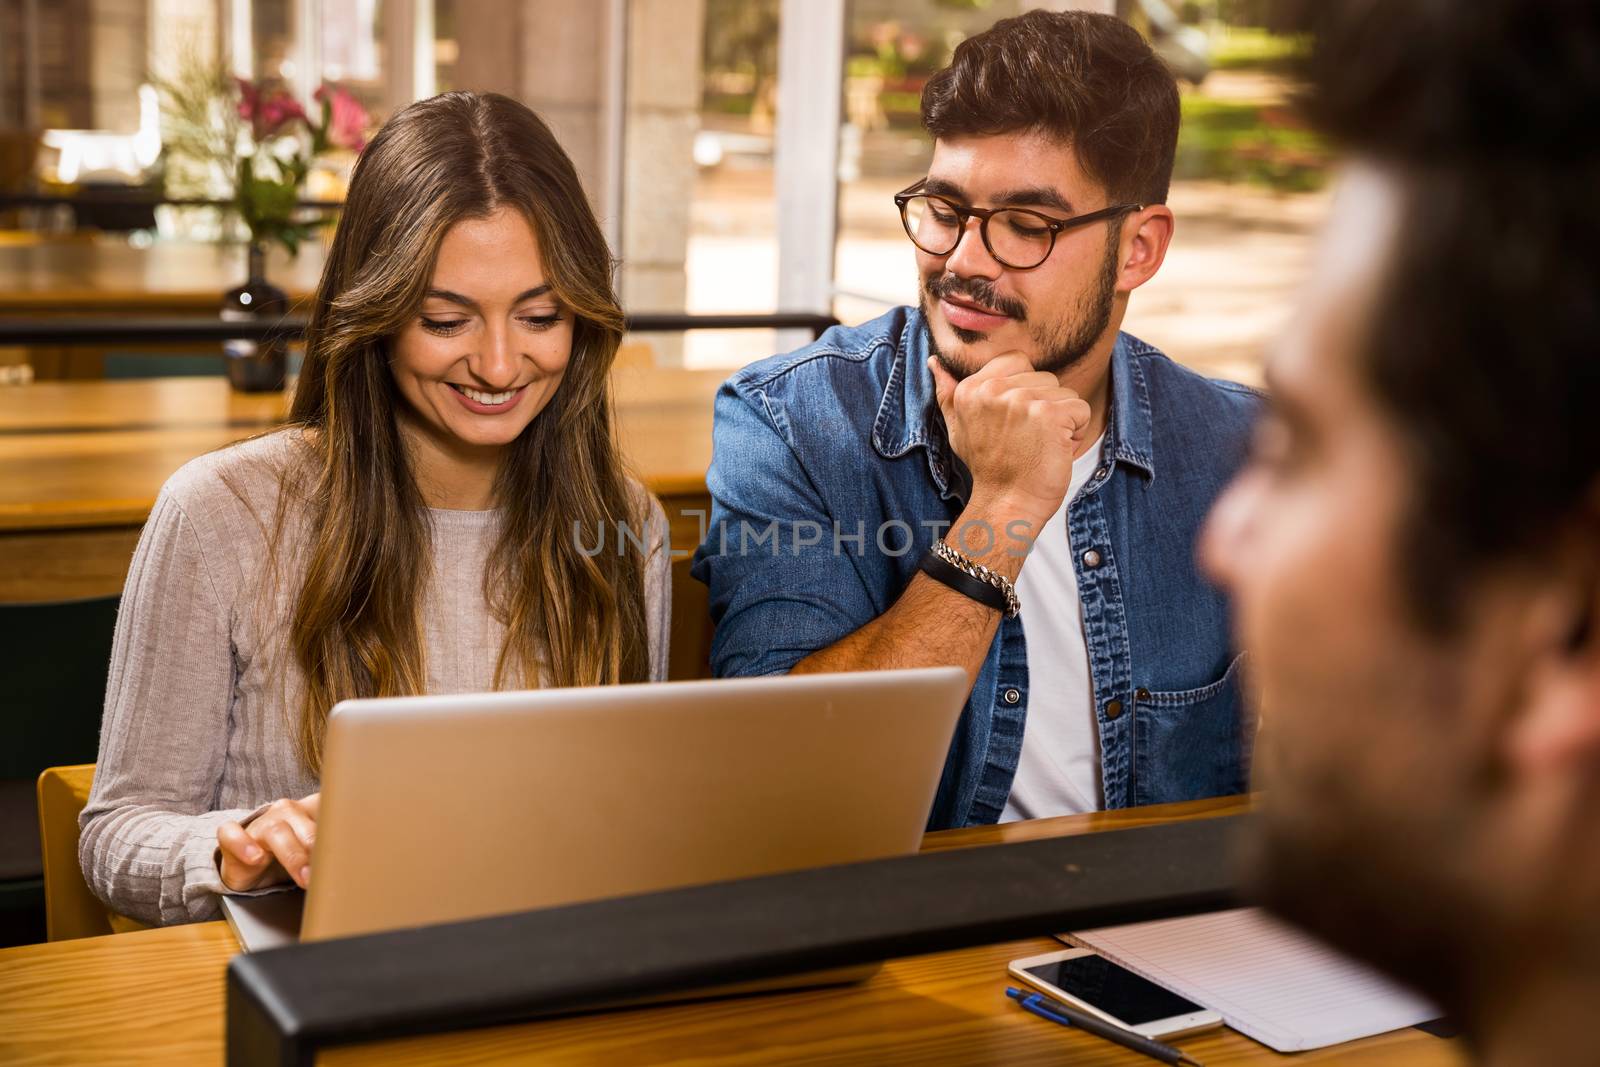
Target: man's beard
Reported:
point(1376, 901)
point(1383, 865)
point(1059, 347)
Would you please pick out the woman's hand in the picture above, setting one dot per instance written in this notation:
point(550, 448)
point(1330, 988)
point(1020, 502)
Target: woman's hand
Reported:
point(276, 845)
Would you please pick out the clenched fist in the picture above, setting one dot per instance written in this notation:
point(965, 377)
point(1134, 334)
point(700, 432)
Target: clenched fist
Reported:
point(1017, 429)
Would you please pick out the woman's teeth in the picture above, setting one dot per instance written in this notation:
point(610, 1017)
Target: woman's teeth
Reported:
point(483, 398)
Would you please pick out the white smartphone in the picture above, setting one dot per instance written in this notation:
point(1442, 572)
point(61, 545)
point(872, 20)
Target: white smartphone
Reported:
point(1086, 980)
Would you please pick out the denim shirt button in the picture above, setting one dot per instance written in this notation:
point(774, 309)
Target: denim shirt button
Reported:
point(1091, 559)
point(1011, 696)
point(1114, 709)
point(1141, 693)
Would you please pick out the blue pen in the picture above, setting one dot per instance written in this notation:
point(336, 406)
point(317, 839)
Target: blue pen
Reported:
point(1066, 1015)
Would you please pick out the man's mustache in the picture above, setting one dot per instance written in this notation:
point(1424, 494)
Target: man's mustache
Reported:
point(979, 291)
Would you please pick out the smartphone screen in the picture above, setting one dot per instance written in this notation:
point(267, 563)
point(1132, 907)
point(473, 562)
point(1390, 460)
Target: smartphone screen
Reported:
point(1113, 990)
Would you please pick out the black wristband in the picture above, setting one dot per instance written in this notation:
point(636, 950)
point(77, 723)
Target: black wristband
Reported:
point(942, 570)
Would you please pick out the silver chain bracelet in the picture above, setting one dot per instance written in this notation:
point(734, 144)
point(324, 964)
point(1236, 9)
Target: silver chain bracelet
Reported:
point(973, 569)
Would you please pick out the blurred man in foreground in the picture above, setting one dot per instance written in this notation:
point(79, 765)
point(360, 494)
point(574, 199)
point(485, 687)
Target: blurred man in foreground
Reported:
point(1414, 551)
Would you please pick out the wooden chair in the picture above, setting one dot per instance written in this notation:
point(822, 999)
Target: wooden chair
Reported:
point(70, 909)
point(689, 655)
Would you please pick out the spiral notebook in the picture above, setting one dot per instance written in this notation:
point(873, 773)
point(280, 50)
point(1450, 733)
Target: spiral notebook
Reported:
point(1268, 980)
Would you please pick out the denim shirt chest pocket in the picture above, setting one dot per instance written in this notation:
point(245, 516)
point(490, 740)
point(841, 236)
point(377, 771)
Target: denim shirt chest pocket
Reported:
point(1191, 743)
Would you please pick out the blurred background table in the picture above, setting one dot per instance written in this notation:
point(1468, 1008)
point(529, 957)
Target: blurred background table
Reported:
point(106, 276)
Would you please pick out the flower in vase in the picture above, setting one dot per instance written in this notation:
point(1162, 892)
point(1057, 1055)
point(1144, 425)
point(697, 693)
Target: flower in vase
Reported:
point(344, 120)
point(267, 108)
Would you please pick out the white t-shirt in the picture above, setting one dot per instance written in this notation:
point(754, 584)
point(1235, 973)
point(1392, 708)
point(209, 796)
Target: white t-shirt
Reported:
point(1058, 772)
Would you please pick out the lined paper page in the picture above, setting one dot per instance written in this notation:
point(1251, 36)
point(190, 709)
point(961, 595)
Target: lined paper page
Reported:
point(1267, 980)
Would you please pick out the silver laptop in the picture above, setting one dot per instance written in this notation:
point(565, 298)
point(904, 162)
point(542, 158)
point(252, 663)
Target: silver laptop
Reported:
point(439, 808)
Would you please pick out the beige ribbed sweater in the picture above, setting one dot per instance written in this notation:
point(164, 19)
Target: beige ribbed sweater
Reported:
point(204, 697)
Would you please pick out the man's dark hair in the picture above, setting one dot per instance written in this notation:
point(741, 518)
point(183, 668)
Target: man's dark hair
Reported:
point(1484, 346)
point(1087, 79)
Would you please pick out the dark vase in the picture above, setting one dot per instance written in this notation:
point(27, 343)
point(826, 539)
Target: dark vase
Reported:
point(256, 366)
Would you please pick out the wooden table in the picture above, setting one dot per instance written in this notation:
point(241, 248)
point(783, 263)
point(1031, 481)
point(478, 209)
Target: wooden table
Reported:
point(106, 276)
point(157, 997)
point(81, 463)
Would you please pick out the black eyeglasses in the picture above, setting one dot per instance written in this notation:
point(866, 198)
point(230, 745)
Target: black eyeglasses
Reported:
point(1024, 238)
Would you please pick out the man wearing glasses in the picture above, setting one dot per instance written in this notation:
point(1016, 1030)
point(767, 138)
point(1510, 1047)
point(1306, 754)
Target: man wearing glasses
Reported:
point(999, 479)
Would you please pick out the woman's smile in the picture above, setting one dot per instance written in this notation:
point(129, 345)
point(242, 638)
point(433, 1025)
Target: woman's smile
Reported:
point(483, 403)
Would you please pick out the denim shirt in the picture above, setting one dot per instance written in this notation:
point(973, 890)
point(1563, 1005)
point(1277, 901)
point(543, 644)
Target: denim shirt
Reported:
point(832, 474)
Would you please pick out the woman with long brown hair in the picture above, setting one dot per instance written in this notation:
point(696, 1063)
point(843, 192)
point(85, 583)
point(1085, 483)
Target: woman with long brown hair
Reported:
point(415, 527)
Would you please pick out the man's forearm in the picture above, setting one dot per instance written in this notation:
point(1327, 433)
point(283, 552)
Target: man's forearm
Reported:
point(933, 625)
